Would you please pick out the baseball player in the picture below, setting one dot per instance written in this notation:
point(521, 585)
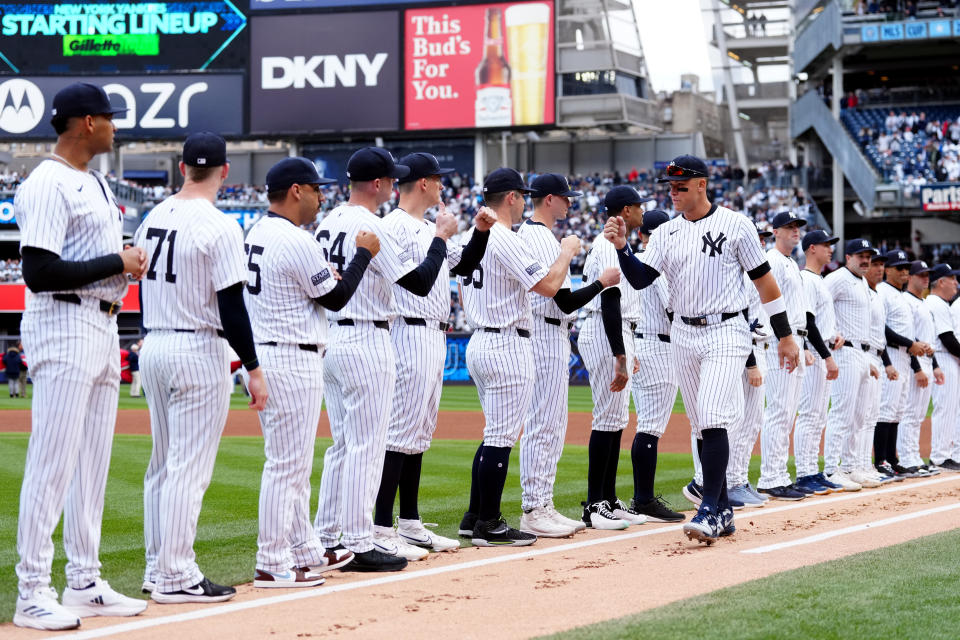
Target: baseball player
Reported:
point(192, 298)
point(360, 365)
point(290, 285)
point(944, 440)
point(918, 396)
point(815, 391)
point(74, 265)
point(421, 348)
point(546, 423)
point(499, 354)
point(703, 254)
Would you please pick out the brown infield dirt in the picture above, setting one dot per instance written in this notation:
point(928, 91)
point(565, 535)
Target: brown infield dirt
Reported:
point(553, 585)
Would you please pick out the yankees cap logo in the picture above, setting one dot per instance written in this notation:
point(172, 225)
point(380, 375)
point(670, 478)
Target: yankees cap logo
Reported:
point(716, 246)
point(21, 106)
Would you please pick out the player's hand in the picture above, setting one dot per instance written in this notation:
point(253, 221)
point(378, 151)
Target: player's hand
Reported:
point(922, 379)
point(927, 349)
point(938, 377)
point(891, 372)
point(446, 225)
point(838, 342)
point(636, 364)
point(257, 386)
point(134, 261)
point(788, 353)
point(485, 219)
point(917, 349)
point(615, 230)
point(807, 357)
point(832, 369)
point(610, 277)
point(874, 373)
point(570, 245)
point(336, 274)
point(754, 377)
point(369, 241)
point(620, 376)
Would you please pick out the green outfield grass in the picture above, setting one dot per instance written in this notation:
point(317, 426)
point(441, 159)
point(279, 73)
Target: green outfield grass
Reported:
point(903, 591)
point(226, 540)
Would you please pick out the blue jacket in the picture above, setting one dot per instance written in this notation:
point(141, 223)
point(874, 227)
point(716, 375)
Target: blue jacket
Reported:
point(11, 363)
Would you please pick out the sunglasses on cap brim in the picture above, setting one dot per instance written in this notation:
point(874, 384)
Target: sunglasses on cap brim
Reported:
point(676, 171)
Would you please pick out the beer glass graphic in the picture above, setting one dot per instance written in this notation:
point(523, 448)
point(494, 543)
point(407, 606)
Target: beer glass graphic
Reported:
point(528, 27)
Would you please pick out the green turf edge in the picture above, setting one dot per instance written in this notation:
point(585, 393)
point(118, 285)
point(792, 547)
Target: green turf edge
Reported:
point(902, 591)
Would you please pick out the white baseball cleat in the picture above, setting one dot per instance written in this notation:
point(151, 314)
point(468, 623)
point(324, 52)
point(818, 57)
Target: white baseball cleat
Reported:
point(864, 479)
point(386, 540)
point(844, 480)
point(540, 522)
point(415, 532)
point(578, 525)
point(98, 599)
point(42, 611)
point(625, 512)
point(599, 516)
point(294, 577)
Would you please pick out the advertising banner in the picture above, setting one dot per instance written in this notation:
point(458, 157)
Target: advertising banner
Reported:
point(158, 106)
point(312, 73)
point(274, 5)
point(940, 197)
point(488, 65)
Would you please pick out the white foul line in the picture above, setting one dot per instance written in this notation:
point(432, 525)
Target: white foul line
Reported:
point(403, 576)
point(860, 527)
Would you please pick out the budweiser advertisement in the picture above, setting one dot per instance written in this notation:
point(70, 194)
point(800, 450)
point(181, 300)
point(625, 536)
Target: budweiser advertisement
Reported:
point(488, 65)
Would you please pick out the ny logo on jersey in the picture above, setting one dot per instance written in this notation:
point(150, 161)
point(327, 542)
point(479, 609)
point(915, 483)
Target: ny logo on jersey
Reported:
point(716, 246)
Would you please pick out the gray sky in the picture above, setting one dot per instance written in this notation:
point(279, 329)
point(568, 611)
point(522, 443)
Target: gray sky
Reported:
point(673, 40)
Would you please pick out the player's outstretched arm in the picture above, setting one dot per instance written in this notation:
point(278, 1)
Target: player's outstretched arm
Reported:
point(773, 303)
point(46, 271)
point(473, 252)
point(368, 245)
point(638, 274)
point(236, 326)
point(551, 283)
point(569, 301)
point(420, 280)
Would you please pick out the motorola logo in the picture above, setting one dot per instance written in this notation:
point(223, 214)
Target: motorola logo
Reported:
point(21, 106)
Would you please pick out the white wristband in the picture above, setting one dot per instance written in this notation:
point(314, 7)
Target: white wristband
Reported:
point(774, 307)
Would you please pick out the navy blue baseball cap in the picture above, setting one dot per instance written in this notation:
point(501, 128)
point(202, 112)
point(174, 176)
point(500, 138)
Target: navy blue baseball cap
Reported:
point(878, 257)
point(858, 245)
point(504, 179)
point(552, 184)
point(422, 165)
point(684, 168)
point(763, 232)
point(918, 267)
point(622, 196)
point(82, 99)
point(653, 219)
point(817, 236)
point(291, 171)
point(372, 163)
point(897, 258)
point(942, 271)
point(204, 149)
point(784, 218)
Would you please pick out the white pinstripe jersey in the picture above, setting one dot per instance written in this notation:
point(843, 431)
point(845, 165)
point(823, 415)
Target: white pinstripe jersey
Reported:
point(787, 274)
point(337, 235)
point(543, 245)
point(193, 251)
point(286, 271)
point(922, 319)
point(755, 307)
point(899, 314)
point(878, 321)
point(74, 215)
point(495, 294)
point(851, 304)
point(942, 319)
point(654, 302)
point(703, 261)
point(603, 255)
point(822, 304)
point(415, 237)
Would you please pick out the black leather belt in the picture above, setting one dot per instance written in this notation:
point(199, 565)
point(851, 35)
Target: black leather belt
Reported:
point(523, 333)
point(863, 347)
point(421, 322)
point(303, 347)
point(701, 321)
point(662, 337)
point(557, 322)
point(801, 332)
point(379, 324)
point(220, 332)
point(109, 308)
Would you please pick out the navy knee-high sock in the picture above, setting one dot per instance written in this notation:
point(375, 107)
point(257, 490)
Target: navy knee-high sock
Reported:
point(880, 442)
point(389, 480)
point(713, 459)
point(492, 475)
point(643, 454)
point(475, 481)
point(613, 461)
point(410, 486)
point(597, 455)
point(891, 450)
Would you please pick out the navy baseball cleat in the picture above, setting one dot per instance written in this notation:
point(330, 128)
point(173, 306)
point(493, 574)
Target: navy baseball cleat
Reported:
point(467, 524)
point(833, 486)
point(726, 522)
point(785, 492)
point(693, 492)
point(810, 484)
point(704, 527)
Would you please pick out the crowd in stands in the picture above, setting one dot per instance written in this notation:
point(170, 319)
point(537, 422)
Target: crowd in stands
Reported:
point(904, 9)
point(10, 270)
point(9, 180)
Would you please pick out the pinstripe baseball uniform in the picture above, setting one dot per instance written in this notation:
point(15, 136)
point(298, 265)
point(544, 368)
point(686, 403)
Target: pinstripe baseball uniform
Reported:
point(287, 271)
point(870, 407)
point(193, 251)
point(918, 398)
point(360, 376)
point(893, 398)
point(546, 423)
point(782, 386)
point(75, 366)
point(946, 396)
point(815, 391)
point(955, 451)
point(743, 438)
point(654, 386)
point(851, 304)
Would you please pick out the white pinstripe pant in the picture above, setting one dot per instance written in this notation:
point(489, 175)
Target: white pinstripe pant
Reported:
point(501, 365)
point(611, 409)
point(546, 424)
point(944, 436)
point(360, 375)
point(289, 422)
point(893, 396)
point(783, 397)
point(868, 416)
point(75, 365)
point(918, 401)
point(847, 393)
point(811, 418)
point(421, 352)
point(654, 386)
point(186, 378)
